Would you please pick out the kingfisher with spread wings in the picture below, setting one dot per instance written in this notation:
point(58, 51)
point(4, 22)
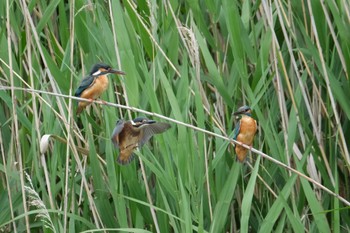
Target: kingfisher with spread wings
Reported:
point(130, 135)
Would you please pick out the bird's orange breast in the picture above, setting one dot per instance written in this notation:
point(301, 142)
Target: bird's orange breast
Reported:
point(247, 130)
point(246, 135)
point(96, 89)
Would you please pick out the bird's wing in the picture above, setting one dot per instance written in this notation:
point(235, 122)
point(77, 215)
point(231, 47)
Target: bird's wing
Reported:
point(237, 129)
point(85, 83)
point(150, 130)
point(118, 128)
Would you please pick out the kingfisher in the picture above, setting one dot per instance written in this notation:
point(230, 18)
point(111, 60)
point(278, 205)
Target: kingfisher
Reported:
point(130, 135)
point(93, 85)
point(244, 131)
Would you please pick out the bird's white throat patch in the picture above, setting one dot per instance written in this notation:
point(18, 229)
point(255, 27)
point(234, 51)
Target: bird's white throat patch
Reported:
point(97, 73)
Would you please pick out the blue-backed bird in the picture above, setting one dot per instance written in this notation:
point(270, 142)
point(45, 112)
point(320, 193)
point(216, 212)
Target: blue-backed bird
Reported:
point(130, 135)
point(93, 85)
point(244, 131)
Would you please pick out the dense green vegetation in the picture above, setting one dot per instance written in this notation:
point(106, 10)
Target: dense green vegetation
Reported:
point(194, 62)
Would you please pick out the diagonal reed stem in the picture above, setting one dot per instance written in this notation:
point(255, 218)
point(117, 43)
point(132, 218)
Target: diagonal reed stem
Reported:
point(232, 141)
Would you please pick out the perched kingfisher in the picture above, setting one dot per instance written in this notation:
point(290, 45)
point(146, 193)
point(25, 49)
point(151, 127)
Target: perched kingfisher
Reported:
point(244, 131)
point(92, 86)
point(130, 135)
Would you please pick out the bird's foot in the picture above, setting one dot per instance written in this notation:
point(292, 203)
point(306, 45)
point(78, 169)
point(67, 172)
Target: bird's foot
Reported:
point(91, 100)
point(103, 102)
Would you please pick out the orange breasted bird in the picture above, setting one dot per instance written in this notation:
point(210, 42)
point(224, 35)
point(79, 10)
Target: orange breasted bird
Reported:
point(130, 135)
point(92, 86)
point(244, 131)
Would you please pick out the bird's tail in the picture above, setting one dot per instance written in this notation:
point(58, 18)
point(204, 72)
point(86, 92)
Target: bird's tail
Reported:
point(124, 160)
point(79, 110)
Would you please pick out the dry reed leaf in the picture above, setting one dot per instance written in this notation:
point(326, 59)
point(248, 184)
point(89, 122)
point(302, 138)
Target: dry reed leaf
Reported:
point(44, 143)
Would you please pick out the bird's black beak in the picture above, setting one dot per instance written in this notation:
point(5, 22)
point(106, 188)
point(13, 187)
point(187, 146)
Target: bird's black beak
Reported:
point(113, 71)
point(150, 122)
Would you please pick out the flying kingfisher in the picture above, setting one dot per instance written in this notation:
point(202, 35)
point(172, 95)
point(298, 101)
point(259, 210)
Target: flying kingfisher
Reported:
point(92, 86)
point(130, 135)
point(244, 131)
